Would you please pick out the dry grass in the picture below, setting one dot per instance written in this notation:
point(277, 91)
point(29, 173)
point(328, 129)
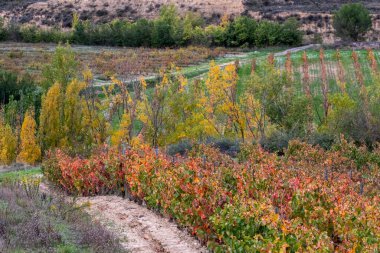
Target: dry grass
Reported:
point(31, 221)
point(123, 62)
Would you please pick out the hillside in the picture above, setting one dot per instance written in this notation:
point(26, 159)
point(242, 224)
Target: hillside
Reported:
point(315, 16)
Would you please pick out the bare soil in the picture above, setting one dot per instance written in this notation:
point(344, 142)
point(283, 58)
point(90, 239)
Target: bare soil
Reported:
point(139, 229)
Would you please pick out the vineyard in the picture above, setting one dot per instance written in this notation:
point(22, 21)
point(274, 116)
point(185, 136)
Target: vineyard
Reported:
point(262, 151)
point(204, 128)
point(309, 200)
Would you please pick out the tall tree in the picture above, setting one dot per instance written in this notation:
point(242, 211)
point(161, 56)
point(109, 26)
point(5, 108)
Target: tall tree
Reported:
point(8, 144)
point(30, 151)
point(51, 131)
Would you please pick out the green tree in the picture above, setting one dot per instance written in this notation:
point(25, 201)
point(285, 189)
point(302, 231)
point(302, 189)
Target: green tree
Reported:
point(352, 21)
point(3, 30)
point(168, 28)
point(62, 68)
point(268, 34)
point(241, 32)
point(290, 33)
point(143, 35)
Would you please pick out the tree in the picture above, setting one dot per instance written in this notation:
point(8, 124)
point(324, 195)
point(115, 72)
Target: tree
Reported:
point(73, 114)
point(223, 101)
point(241, 32)
point(121, 135)
point(290, 33)
point(3, 31)
point(30, 151)
point(50, 118)
point(352, 21)
point(151, 111)
point(168, 28)
point(61, 69)
point(8, 144)
point(187, 120)
point(127, 102)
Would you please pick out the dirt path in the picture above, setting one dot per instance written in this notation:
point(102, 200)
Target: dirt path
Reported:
point(139, 229)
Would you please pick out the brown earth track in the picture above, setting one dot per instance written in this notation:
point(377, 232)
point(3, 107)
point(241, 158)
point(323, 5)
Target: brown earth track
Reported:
point(139, 229)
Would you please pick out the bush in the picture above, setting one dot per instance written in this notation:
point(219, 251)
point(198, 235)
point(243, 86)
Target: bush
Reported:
point(14, 88)
point(276, 142)
point(226, 146)
point(291, 35)
point(352, 21)
point(324, 140)
point(179, 149)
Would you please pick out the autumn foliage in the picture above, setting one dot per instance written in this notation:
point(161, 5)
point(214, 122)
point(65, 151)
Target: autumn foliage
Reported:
point(308, 200)
point(30, 150)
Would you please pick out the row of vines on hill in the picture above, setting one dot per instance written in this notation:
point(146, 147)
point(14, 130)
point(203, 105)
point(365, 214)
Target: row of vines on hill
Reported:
point(309, 200)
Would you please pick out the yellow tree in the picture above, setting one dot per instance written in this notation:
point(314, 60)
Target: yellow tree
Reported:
point(222, 103)
point(30, 151)
point(185, 105)
point(94, 120)
point(8, 144)
point(151, 112)
point(128, 102)
point(73, 114)
point(122, 134)
point(50, 119)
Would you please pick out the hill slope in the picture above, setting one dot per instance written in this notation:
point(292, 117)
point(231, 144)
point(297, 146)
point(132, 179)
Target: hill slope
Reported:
point(315, 15)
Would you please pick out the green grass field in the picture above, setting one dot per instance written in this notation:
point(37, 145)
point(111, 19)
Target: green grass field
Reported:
point(15, 175)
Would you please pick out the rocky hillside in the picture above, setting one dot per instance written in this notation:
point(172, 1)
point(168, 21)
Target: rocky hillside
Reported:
point(315, 15)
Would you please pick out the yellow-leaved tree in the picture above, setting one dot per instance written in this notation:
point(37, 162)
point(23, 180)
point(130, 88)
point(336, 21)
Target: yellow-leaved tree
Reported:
point(51, 131)
point(8, 144)
point(30, 151)
point(128, 102)
point(151, 111)
point(187, 120)
point(121, 135)
point(222, 103)
point(73, 115)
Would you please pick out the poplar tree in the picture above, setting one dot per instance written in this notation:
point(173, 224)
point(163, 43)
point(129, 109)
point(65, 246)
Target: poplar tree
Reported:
point(30, 151)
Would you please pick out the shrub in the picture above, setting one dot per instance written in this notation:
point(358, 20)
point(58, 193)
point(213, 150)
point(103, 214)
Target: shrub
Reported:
point(180, 148)
point(276, 142)
point(291, 35)
point(11, 86)
point(352, 21)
